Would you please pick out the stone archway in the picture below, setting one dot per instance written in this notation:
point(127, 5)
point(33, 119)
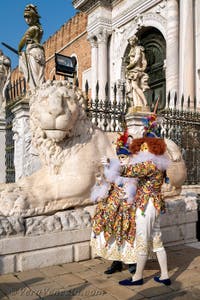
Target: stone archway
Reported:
point(155, 51)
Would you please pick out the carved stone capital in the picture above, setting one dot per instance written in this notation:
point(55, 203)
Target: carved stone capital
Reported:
point(102, 36)
point(93, 40)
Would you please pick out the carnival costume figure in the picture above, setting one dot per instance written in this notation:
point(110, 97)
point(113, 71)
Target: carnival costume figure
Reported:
point(148, 167)
point(113, 226)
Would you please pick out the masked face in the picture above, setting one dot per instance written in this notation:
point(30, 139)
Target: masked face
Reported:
point(144, 147)
point(124, 159)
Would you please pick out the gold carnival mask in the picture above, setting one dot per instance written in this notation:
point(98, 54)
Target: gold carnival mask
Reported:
point(144, 147)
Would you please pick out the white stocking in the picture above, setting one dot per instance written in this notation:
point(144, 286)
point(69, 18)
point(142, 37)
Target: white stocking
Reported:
point(141, 261)
point(162, 260)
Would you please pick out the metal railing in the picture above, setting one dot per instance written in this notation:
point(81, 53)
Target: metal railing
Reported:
point(181, 123)
point(16, 89)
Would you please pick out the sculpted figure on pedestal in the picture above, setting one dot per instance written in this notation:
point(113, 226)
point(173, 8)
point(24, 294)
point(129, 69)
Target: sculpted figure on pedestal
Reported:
point(32, 60)
point(5, 72)
point(136, 78)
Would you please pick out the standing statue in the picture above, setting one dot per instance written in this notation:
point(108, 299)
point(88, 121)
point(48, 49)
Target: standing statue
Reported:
point(136, 78)
point(32, 60)
point(5, 73)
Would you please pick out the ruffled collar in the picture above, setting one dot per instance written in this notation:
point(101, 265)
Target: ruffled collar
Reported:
point(161, 161)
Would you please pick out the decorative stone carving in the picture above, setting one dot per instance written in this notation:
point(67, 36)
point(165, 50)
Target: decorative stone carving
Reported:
point(11, 226)
point(26, 160)
point(5, 73)
point(70, 149)
point(102, 36)
point(32, 61)
point(60, 221)
point(136, 78)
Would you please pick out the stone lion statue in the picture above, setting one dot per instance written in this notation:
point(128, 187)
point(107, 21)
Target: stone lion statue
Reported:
point(176, 171)
point(70, 148)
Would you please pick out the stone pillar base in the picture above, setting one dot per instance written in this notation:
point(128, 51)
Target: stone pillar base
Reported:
point(134, 123)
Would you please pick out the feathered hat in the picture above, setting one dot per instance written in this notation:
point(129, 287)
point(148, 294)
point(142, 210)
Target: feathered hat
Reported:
point(123, 142)
point(151, 126)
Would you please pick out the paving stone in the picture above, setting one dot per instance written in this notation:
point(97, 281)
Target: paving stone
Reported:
point(23, 294)
point(180, 295)
point(61, 297)
point(101, 282)
point(101, 297)
point(46, 289)
point(11, 287)
point(92, 262)
point(68, 280)
point(34, 277)
point(8, 278)
point(185, 279)
point(87, 274)
point(83, 291)
point(121, 292)
point(74, 267)
point(26, 275)
point(53, 271)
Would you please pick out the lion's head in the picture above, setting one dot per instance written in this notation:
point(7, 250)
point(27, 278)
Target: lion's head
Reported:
point(58, 121)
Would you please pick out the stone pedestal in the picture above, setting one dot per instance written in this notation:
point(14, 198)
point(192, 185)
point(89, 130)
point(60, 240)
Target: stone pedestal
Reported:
point(134, 123)
point(26, 160)
point(41, 241)
point(2, 149)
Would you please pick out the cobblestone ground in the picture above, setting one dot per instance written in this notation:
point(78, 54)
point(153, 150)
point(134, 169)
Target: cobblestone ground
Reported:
point(86, 280)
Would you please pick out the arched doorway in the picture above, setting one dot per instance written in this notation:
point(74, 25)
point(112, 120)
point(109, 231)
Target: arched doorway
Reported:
point(155, 51)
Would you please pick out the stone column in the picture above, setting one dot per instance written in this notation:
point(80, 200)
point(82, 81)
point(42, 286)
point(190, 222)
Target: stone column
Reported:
point(197, 56)
point(25, 160)
point(186, 54)
point(172, 48)
point(102, 38)
point(2, 149)
point(94, 63)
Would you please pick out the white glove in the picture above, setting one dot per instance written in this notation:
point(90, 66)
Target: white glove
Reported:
point(105, 161)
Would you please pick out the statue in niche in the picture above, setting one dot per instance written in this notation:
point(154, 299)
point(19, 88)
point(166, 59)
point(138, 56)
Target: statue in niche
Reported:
point(136, 78)
point(32, 60)
point(5, 73)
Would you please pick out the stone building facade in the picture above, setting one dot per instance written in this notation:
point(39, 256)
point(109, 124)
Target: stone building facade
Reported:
point(70, 40)
point(168, 29)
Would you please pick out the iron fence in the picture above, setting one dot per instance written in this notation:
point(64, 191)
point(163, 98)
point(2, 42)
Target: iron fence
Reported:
point(180, 123)
point(17, 89)
point(107, 115)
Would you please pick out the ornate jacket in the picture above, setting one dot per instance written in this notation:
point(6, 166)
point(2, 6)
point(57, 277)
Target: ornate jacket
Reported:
point(149, 171)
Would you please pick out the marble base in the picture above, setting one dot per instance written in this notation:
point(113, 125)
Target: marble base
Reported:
point(64, 237)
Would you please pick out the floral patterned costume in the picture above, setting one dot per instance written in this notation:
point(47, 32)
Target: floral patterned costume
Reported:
point(120, 228)
point(113, 228)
